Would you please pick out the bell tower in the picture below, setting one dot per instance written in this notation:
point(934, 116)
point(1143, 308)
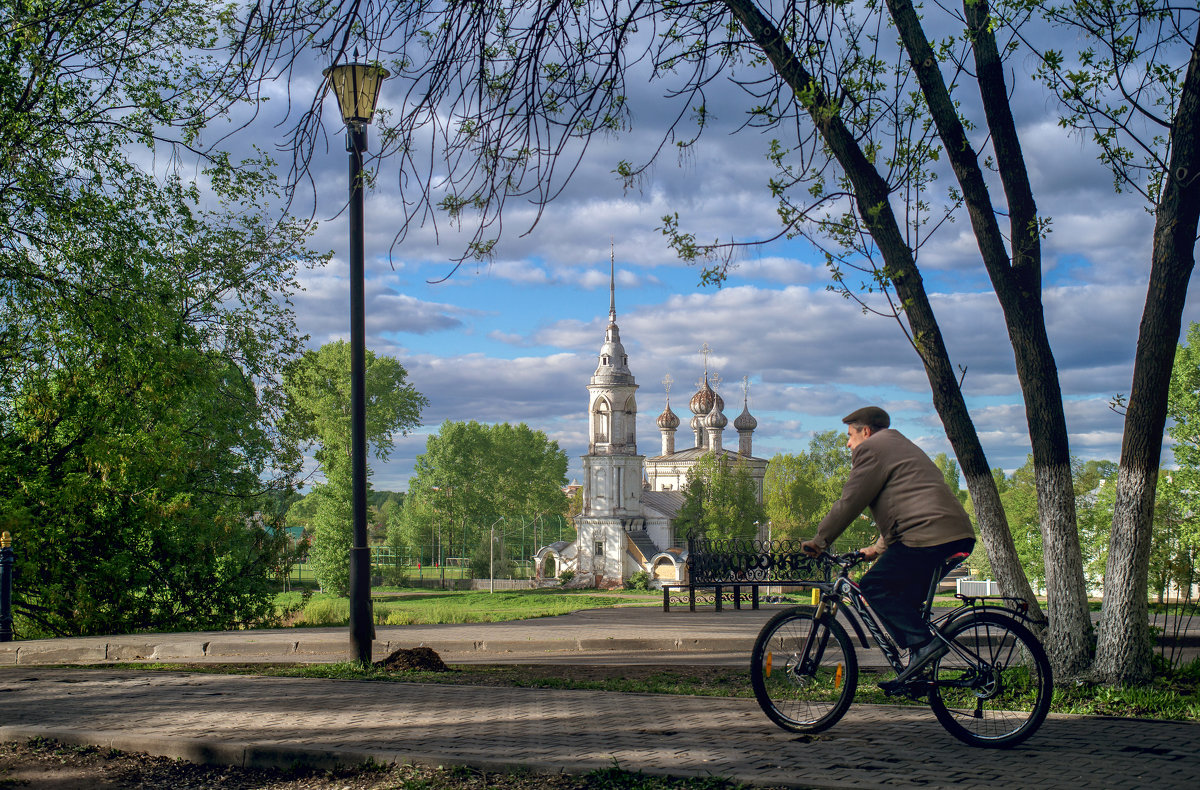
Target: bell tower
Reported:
point(612, 468)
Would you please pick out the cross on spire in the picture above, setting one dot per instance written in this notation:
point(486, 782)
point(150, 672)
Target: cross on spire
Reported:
point(704, 352)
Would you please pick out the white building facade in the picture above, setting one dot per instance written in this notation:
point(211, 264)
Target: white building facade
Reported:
point(629, 501)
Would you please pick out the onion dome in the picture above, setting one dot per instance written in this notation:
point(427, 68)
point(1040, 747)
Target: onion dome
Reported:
point(715, 418)
point(745, 421)
point(702, 401)
point(697, 423)
point(667, 420)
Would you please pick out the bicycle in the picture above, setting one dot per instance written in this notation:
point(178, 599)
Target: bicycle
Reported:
point(992, 688)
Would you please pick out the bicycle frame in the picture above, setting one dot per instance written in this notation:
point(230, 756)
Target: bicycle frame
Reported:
point(842, 589)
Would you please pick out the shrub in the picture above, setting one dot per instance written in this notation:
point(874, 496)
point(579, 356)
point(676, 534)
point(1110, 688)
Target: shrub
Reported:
point(566, 576)
point(638, 581)
point(395, 576)
point(325, 611)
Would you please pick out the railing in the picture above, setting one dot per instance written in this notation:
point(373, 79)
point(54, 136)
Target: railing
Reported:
point(744, 562)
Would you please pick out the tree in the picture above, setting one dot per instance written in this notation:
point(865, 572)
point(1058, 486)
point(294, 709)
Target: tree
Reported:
point(318, 388)
point(509, 90)
point(1135, 85)
point(470, 476)
point(140, 460)
point(720, 501)
point(1175, 554)
point(490, 559)
point(798, 490)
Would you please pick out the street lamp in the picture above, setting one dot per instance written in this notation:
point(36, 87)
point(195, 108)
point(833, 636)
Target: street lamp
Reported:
point(356, 86)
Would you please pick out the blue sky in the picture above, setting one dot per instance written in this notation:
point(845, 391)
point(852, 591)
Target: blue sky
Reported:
point(516, 339)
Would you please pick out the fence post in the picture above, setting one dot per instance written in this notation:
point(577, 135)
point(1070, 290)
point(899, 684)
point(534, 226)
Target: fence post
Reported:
point(6, 572)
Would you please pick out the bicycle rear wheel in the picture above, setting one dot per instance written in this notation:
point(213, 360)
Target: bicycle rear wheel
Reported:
point(993, 688)
point(803, 685)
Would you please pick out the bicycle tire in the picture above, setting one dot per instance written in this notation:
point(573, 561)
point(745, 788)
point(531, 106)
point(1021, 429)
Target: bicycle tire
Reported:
point(802, 696)
point(1002, 701)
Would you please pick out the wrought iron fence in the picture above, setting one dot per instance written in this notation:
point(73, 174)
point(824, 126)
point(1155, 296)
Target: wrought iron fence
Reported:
point(749, 561)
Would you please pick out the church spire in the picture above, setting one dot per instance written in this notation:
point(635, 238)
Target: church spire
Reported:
point(614, 363)
point(612, 284)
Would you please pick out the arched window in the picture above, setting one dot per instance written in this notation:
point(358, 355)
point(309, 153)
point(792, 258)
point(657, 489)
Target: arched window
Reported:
point(603, 420)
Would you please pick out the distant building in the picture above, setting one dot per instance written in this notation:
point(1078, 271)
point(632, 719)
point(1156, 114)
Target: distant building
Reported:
point(629, 501)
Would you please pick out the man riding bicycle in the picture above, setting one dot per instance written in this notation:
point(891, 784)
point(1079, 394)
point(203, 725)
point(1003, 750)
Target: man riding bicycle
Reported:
point(920, 523)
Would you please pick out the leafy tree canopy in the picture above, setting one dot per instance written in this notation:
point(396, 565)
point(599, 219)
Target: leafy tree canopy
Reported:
point(318, 388)
point(470, 476)
point(720, 501)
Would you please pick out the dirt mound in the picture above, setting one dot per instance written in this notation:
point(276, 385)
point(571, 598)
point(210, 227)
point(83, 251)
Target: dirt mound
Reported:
point(420, 659)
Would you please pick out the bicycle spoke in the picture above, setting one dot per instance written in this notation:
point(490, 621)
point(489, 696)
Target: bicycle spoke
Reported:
point(993, 688)
point(804, 673)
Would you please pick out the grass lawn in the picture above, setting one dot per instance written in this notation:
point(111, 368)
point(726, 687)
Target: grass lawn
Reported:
point(397, 606)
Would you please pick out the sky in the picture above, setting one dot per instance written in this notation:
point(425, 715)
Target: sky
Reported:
point(516, 339)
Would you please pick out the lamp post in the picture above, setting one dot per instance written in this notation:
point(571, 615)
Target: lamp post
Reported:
point(356, 86)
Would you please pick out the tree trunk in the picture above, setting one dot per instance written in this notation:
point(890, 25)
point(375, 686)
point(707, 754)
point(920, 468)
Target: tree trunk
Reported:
point(998, 540)
point(872, 197)
point(1017, 284)
point(1123, 650)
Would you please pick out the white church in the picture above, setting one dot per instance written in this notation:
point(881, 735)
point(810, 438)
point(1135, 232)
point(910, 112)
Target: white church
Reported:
point(629, 500)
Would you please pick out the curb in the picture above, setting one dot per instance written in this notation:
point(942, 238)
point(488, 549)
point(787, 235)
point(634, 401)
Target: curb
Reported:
point(33, 654)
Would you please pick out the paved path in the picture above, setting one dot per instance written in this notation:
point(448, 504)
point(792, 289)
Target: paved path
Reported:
point(276, 721)
point(648, 632)
point(273, 721)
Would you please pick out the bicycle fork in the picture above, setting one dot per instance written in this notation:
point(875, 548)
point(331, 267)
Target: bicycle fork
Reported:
point(808, 658)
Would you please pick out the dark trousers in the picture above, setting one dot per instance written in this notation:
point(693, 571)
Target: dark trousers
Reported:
point(898, 582)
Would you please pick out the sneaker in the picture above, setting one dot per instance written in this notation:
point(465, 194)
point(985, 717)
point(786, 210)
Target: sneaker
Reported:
point(917, 659)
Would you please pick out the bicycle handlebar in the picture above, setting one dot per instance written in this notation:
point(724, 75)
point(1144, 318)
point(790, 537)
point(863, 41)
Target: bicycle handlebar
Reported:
point(845, 561)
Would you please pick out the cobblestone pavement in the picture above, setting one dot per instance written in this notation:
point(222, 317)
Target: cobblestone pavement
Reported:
point(276, 721)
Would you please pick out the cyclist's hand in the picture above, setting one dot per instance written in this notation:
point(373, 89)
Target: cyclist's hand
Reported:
point(810, 548)
point(869, 552)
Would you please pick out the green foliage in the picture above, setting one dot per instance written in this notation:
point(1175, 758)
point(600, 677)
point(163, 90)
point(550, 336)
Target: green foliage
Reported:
point(639, 580)
point(470, 476)
point(799, 489)
point(491, 561)
point(329, 551)
point(1175, 550)
point(318, 388)
point(144, 322)
point(720, 501)
point(566, 576)
point(1019, 499)
point(137, 437)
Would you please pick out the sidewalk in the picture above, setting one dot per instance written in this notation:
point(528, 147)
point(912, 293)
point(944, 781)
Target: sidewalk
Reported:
point(278, 721)
point(623, 635)
point(590, 634)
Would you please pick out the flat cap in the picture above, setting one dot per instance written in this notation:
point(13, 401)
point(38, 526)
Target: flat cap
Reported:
point(873, 417)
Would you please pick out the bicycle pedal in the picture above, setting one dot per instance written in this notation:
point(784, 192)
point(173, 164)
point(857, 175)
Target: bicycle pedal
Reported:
point(913, 689)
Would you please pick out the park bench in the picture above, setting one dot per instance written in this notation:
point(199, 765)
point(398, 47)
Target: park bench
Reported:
point(738, 566)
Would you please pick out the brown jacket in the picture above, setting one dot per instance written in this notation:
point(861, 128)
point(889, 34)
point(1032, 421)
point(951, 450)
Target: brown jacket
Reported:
point(905, 491)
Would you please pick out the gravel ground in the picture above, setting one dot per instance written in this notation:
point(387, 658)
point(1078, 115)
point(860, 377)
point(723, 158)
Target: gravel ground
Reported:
point(47, 765)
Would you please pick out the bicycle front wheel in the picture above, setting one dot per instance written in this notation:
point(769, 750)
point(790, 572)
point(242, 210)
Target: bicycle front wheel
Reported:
point(993, 688)
point(804, 671)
